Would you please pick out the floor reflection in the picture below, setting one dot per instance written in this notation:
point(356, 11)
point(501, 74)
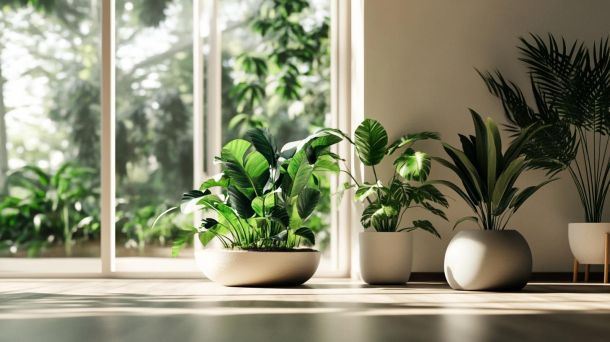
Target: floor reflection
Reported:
point(124, 310)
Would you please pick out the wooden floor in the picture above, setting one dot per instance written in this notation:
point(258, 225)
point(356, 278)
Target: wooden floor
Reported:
point(323, 310)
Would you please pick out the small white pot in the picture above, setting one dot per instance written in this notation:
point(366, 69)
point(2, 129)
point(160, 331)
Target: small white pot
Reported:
point(385, 257)
point(488, 260)
point(254, 268)
point(587, 241)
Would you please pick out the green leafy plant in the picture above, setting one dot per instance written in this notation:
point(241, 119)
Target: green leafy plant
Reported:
point(488, 175)
point(571, 88)
point(267, 194)
point(42, 209)
point(408, 188)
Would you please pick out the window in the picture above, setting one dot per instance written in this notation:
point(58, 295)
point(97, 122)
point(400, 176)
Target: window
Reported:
point(187, 76)
point(49, 134)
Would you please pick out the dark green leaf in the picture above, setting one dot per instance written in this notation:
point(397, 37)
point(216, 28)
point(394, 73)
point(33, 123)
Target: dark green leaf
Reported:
point(307, 201)
point(371, 140)
point(307, 234)
point(413, 165)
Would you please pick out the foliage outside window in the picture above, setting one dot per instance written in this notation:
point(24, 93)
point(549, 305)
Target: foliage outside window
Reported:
point(289, 94)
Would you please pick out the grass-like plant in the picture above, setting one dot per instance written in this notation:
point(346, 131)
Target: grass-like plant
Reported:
point(266, 194)
point(488, 175)
point(571, 88)
point(387, 202)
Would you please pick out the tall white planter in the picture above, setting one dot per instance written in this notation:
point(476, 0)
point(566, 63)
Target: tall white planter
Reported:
point(385, 257)
point(587, 241)
point(255, 268)
point(488, 260)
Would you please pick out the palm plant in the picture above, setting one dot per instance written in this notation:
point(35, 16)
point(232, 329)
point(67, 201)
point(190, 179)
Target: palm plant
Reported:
point(488, 175)
point(388, 202)
point(267, 194)
point(571, 88)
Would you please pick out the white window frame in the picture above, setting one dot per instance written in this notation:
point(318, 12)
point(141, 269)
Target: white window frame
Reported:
point(208, 144)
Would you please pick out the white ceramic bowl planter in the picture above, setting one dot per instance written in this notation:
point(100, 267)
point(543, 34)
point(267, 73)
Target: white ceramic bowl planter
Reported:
point(587, 241)
point(385, 257)
point(255, 268)
point(488, 260)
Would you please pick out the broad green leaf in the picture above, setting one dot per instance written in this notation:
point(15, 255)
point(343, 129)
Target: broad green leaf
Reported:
point(263, 142)
point(240, 202)
point(218, 180)
point(323, 142)
point(507, 179)
point(481, 143)
point(426, 226)
point(413, 165)
point(257, 169)
point(263, 204)
point(367, 189)
point(326, 163)
point(301, 178)
point(466, 171)
point(409, 139)
point(232, 158)
point(307, 234)
point(371, 140)
point(280, 215)
point(434, 211)
point(190, 200)
point(386, 210)
point(295, 163)
point(429, 192)
point(307, 201)
point(494, 153)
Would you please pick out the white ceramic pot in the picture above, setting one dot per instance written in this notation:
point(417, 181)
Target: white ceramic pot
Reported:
point(488, 260)
point(385, 257)
point(587, 241)
point(254, 268)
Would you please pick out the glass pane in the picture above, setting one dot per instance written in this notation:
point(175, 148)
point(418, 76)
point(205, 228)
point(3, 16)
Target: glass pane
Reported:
point(154, 106)
point(276, 74)
point(49, 130)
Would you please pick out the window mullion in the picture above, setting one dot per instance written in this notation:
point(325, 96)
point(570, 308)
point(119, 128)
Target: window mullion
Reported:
point(108, 137)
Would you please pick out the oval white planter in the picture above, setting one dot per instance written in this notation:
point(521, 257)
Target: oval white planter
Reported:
point(254, 268)
point(488, 260)
point(385, 257)
point(587, 241)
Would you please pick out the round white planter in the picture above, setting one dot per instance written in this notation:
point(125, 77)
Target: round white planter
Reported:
point(254, 268)
point(385, 257)
point(488, 260)
point(587, 241)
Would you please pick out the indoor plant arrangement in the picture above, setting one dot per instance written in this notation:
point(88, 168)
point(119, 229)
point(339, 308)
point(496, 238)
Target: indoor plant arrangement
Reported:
point(260, 214)
point(571, 88)
point(492, 257)
point(385, 245)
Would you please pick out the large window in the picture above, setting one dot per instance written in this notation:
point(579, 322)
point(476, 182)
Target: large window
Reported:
point(49, 132)
point(188, 76)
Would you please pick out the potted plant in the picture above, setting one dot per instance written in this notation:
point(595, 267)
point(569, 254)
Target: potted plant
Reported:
point(493, 257)
point(385, 244)
point(259, 215)
point(571, 87)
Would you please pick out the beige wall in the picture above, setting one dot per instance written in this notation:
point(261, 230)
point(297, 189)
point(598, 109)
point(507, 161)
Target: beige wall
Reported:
point(419, 57)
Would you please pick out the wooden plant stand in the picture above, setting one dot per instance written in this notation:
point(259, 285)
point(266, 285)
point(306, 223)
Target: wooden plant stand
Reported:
point(587, 267)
